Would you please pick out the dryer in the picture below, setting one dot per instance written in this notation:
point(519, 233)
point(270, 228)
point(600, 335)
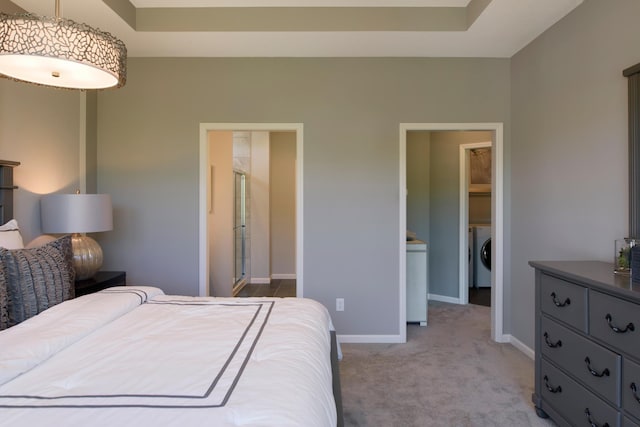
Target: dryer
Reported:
point(482, 255)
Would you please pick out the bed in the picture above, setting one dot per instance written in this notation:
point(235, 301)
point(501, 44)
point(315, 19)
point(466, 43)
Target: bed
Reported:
point(133, 356)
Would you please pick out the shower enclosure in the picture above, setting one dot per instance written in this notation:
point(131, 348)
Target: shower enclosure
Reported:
point(240, 231)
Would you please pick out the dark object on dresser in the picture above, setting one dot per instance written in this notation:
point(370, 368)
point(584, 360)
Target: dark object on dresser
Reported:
point(587, 361)
point(101, 280)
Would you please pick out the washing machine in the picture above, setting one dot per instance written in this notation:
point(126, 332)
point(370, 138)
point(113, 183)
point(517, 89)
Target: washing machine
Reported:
point(482, 255)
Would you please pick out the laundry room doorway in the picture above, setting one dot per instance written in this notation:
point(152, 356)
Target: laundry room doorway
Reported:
point(460, 295)
point(476, 220)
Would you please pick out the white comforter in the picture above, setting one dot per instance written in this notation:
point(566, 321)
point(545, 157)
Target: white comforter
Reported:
point(136, 357)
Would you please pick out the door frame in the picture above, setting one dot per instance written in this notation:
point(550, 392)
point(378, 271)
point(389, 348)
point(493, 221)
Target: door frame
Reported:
point(464, 217)
point(497, 219)
point(205, 191)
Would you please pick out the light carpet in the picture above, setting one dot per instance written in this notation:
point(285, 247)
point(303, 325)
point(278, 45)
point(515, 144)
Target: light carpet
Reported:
point(449, 373)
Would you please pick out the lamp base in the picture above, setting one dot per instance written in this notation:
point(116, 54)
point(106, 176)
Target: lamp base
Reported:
point(87, 256)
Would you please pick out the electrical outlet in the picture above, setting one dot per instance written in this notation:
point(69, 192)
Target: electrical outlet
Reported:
point(339, 304)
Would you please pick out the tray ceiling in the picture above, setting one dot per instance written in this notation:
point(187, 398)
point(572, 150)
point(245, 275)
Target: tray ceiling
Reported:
point(314, 28)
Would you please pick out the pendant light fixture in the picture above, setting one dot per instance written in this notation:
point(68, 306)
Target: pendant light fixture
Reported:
point(60, 52)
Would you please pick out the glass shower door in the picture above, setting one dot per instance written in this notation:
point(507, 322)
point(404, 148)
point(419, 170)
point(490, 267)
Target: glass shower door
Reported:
point(239, 229)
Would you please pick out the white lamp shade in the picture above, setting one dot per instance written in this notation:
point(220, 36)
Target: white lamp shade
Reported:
point(76, 213)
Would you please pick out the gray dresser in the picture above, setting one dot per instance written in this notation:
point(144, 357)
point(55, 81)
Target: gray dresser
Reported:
point(587, 366)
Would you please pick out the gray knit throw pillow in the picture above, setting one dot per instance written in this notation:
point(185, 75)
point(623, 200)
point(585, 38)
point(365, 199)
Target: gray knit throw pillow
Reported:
point(4, 302)
point(37, 278)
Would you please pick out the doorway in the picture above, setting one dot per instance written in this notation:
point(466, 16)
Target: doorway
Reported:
point(207, 182)
point(497, 188)
point(475, 220)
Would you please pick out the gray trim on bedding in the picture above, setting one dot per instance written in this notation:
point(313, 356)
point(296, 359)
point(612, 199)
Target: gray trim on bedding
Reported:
point(242, 351)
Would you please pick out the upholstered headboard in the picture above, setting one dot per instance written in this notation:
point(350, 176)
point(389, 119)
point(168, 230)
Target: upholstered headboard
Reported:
point(6, 189)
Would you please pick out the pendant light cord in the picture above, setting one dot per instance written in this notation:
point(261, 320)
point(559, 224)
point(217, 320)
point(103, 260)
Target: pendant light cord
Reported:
point(57, 9)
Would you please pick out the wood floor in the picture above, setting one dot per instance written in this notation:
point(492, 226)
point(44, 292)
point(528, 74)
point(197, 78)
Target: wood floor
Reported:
point(277, 288)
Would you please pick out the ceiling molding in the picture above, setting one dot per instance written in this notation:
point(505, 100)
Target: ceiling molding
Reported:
point(124, 9)
point(474, 9)
point(317, 19)
point(7, 6)
point(302, 19)
point(299, 3)
point(464, 28)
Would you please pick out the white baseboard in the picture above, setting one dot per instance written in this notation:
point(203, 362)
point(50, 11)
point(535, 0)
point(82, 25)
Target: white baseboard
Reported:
point(260, 280)
point(284, 276)
point(442, 298)
point(521, 346)
point(384, 339)
point(370, 339)
point(505, 338)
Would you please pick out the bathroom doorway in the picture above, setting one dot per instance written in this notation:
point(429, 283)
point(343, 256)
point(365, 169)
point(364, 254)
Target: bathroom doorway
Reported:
point(221, 247)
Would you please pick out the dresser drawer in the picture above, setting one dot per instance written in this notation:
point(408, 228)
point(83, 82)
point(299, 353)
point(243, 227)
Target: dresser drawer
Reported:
point(574, 402)
point(615, 321)
point(626, 422)
point(587, 361)
point(629, 396)
point(564, 300)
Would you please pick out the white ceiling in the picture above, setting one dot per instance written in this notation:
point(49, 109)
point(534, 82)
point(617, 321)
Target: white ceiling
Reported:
point(502, 29)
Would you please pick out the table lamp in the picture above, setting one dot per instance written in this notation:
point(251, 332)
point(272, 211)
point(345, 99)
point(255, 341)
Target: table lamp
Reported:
point(75, 214)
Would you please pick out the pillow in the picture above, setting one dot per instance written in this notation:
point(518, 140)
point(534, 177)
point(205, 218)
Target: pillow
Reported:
point(39, 241)
point(10, 236)
point(4, 300)
point(37, 278)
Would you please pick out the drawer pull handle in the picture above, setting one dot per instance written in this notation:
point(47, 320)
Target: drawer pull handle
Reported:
point(591, 422)
point(551, 388)
point(635, 392)
point(628, 328)
point(558, 303)
point(551, 344)
point(595, 373)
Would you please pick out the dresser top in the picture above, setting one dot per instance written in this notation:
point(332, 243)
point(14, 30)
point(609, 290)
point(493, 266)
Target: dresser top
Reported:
point(596, 274)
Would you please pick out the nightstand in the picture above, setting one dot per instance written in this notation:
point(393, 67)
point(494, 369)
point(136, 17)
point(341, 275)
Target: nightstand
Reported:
point(102, 280)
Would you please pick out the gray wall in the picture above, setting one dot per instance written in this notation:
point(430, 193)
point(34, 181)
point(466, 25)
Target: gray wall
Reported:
point(40, 128)
point(351, 110)
point(283, 203)
point(569, 144)
point(259, 222)
point(220, 216)
point(418, 146)
point(445, 209)
point(91, 141)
